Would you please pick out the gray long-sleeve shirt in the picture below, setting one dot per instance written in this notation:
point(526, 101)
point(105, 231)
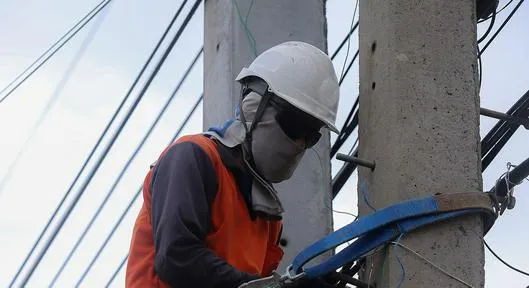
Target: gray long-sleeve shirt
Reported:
point(183, 189)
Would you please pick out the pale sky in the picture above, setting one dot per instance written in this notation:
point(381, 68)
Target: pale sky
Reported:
point(123, 41)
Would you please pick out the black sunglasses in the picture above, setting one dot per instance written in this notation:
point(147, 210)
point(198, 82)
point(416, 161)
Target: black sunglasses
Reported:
point(296, 124)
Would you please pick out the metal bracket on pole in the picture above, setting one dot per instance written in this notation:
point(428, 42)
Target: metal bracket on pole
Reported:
point(502, 116)
point(356, 160)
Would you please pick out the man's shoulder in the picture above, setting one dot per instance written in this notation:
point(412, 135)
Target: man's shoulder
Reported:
point(189, 145)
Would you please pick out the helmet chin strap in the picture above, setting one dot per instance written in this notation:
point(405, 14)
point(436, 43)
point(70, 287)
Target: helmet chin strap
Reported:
point(260, 87)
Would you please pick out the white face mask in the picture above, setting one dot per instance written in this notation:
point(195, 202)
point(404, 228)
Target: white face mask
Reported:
point(276, 156)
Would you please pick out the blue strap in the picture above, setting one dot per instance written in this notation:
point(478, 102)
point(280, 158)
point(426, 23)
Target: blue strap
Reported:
point(376, 238)
point(399, 218)
point(222, 130)
point(366, 224)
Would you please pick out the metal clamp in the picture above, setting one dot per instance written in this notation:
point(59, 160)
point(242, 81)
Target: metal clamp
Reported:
point(292, 278)
point(276, 280)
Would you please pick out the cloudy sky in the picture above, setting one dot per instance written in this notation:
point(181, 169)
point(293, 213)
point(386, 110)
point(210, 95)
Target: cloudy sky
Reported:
point(51, 122)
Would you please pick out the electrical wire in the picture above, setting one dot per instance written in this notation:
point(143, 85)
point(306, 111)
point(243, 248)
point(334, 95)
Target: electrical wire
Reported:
point(349, 41)
point(345, 213)
point(114, 228)
point(244, 23)
point(488, 29)
point(348, 68)
point(127, 165)
point(88, 159)
point(351, 122)
point(503, 261)
point(501, 26)
point(345, 39)
point(52, 100)
point(42, 116)
point(99, 7)
point(496, 13)
point(363, 189)
point(502, 132)
point(353, 147)
point(431, 263)
point(116, 272)
point(133, 199)
point(111, 142)
point(480, 66)
point(402, 269)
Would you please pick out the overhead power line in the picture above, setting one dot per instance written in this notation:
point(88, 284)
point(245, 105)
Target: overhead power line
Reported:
point(503, 261)
point(491, 144)
point(345, 40)
point(74, 30)
point(110, 144)
point(497, 12)
point(120, 266)
point(52, 100)
point(349, 42)
point(351, 122)
point(500, 134)
point(128, 163)
point(501, 26)
point(134, 198)
point(348, 68)
point(89, 158)
point(488, 29)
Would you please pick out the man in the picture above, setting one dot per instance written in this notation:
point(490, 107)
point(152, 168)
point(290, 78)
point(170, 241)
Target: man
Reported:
point(211, 217)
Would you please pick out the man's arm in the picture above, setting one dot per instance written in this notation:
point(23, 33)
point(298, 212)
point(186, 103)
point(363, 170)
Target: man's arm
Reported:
point(183, 189)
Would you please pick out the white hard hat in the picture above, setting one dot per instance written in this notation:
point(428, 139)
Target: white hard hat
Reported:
point(302, 75)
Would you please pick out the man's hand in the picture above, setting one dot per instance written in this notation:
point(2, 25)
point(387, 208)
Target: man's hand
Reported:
point(276, 281)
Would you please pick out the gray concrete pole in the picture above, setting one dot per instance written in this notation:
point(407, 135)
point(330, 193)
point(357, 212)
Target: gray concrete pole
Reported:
point(419, 121)
point(227, 49)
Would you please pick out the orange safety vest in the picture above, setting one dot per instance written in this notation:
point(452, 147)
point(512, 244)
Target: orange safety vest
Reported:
point(229, 216)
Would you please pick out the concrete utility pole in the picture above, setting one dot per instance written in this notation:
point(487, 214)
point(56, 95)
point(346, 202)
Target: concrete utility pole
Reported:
point(419, 120)
point(227, 49)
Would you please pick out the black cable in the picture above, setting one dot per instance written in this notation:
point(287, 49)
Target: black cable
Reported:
point(343, 135)
point(349, 41)
point(131, 202)
point(74, 182)
point(345, 39)
point(501, 27)
point(124, 169)
point(503, 261)
point(488, 29)
point(350, 280)
point(348, 68)
point(121, 264)
point(90, 14)
point(349, 125)
point(111, 142)
point(496, 13)
point(343, 175)
point(503, 126)
point(501, 133)
point(348, 269)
